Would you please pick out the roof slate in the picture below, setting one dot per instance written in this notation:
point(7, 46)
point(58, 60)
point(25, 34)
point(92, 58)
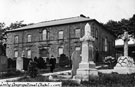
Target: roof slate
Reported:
point(54, 22)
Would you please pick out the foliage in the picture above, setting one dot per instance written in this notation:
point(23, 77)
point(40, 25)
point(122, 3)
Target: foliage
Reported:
point(2, 25)
point(15, 25)
point(104, 80)
point(40, 63)
point(112, 80)
point(63, 61)
point(111, 61)
point(32, 69)
point(117, 27)
point(41, 78)
point(11, 73)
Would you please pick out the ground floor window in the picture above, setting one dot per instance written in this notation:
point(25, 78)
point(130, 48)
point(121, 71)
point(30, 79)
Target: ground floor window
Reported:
point(60, 50)
point(28, 53)
point(16, 54)
point(77, 48)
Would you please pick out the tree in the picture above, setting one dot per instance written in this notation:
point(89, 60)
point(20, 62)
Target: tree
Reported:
point(2, 25)
point(15, 25)
point(118, 27)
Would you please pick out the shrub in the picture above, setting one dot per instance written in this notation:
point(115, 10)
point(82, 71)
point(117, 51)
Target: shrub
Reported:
point(111, 80)
point(111, 61)
point(12, 73)
point(41, 63)
point(63, 61)
point(32, 69)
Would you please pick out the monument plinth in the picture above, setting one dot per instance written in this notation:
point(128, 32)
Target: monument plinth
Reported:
point(87, 65)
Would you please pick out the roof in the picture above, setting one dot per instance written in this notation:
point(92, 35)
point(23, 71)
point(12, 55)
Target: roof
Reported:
point(55, 22)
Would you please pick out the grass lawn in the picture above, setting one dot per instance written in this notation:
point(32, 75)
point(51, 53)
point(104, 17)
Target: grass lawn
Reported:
point(104, 80)
point(13, 73)
point(55, 70)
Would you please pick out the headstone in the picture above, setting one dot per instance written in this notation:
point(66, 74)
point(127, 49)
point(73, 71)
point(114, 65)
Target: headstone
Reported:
point(125, 64)
point(87, 65)
point(3, 63)
point(19, 63)
point(76, 59)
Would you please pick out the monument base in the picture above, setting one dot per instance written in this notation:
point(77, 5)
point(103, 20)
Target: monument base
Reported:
point(86, 70)
point(124, 70)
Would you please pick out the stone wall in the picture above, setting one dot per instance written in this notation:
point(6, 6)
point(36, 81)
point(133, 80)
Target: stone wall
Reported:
point(53, 43)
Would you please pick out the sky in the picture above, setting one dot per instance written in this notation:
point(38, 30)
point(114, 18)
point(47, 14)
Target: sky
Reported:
point(34, 11)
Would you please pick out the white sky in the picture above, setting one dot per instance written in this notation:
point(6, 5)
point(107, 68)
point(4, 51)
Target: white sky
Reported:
point(33, 11)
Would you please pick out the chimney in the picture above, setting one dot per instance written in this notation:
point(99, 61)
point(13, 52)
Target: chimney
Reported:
point(81, 15)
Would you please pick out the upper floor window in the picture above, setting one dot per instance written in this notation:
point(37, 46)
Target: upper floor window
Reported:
point(77, 33)
point(16, 39)
point(16, 54)
point(29, 38)
point(106, 45)
point(61, 35)
point(28, 53)
point(44, 34)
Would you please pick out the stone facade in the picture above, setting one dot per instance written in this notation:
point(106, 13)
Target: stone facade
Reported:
point(53, 43)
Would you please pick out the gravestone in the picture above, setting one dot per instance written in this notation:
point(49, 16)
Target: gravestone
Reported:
point(76, 59)
point(3, 63)
point(125, 64)
point(87, 65)
point(19, 63)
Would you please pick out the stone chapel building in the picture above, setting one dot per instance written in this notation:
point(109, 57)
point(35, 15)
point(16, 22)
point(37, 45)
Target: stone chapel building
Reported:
point(56, 37)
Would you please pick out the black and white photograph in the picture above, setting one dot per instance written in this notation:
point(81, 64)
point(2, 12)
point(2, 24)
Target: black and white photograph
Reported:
point(67, 43)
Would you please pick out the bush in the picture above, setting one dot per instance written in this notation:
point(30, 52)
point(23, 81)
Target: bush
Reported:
point(111, 61)
point(32, 69)
point(63, 61)
point(112, 80)
point(104, 80)
point(12, 73)
point(41, 63)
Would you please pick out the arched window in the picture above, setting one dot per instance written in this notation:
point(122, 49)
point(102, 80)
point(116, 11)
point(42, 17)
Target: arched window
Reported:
point(60, 49)
point(29, 38)
point(29, 53)
point(16, 39)
point(77, 33)
point(61, 34)
point(16, 54)
point(44, 34)
point(106, 45)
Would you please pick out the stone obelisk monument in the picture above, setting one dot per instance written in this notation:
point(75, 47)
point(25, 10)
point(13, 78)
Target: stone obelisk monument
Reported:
point(87, 65)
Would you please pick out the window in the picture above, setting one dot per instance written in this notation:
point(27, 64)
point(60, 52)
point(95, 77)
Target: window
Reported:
point(60, 34)
point(16, 54)
point(16, 39)
point(44, 36)
point(105, 45)
point(96, 33)
point(29, 38)
point(60, 51)
point(28, 53)
point(77, 33)
point(77, 48)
